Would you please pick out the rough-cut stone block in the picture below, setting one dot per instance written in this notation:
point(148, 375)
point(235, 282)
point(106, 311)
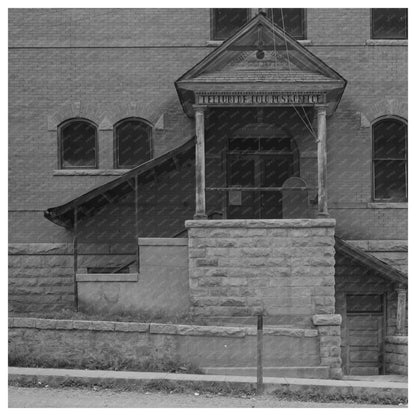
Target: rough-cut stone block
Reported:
point(24, 322)
point(64, 324)
point(221, 331)
point(39, 248)
point(327, 320)
point(397, 339)
point(45, 323)
point(336, 373)
point(131, 327)
point(102, 326)
point(330, 341)
point(83, 325)
point(163, 329)
point(399, 359)
point(330, 330)
point(206, 262)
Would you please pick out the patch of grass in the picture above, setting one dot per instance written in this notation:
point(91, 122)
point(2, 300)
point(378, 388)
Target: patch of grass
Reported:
point(139, 316)
point(314, 395)
point(108, 362)
point(164, 386)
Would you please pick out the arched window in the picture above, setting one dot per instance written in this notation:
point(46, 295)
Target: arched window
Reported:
point(132, 143)
point(390, 160)
point(77, 144)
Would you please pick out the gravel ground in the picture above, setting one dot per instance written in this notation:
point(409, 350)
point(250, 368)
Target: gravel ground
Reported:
point(76, 397)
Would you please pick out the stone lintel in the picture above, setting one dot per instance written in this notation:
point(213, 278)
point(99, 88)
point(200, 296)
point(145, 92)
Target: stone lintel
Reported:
point(397, 339)
point(163, 241)
point(280, 223)
point(327, 320)
point(108, 277)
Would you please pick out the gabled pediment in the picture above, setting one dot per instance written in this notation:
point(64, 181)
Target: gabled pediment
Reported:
point(260, 57)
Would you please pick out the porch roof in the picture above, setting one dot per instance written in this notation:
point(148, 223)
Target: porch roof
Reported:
point(92, 201)
point(367, 260)
point(260, 57)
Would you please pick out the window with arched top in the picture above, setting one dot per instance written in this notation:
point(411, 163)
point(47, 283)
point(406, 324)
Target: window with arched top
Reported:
point(390, 160)
point(132, 143)
point(77, 144)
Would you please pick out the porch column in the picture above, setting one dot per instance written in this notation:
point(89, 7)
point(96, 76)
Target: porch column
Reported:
point(322, 161)
point(401, 311)
point(200, 212)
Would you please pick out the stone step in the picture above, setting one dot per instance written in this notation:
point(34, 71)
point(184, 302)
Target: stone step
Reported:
point(321, 372)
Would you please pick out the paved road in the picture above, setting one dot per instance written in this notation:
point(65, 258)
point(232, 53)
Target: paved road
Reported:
point(71, 397)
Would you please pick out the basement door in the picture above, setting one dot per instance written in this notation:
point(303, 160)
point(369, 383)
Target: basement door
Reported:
point(365, 333)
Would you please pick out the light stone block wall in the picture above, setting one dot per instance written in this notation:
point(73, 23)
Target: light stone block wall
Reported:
point(212, 346)
point(396, 355)
point(283, 268)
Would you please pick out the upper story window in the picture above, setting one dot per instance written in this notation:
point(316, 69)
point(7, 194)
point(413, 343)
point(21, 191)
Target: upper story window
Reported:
point(389, 23)
point(291, 21)
point(390, 160)
point(77, 144)
point(226, 22)
point(132, 143)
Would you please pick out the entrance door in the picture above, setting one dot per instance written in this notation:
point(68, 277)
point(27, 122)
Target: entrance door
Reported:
point(365, 329)
point(257, 163)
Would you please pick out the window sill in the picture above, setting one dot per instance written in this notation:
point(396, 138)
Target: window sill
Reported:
point(386, 42)
point(108, 277)
point(90, 172)
point(387, 205)
point(304, 42)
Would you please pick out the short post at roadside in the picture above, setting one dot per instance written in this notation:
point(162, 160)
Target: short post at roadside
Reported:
point(260, 354)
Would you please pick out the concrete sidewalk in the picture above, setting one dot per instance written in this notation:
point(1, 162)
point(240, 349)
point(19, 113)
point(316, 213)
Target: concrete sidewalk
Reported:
point(56, 377)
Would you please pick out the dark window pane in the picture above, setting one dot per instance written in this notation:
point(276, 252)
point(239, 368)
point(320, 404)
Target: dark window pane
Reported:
point(390, 139)
point(78, 145)
point(389, 23)
point(292, 21)
point(275, 144)
point(226, 22)
point(241, 172)
point(390, 180)
point(133, 143)
point(365, 303)
point(242, 145)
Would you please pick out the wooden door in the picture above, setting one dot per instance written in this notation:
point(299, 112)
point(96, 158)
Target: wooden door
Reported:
point(365, 333)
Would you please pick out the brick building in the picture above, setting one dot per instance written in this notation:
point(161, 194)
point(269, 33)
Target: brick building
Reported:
point(282, 135)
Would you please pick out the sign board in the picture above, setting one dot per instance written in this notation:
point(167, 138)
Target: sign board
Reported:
point(285, 98)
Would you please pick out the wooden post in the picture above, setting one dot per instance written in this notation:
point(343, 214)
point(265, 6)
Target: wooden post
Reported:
point(322, 162)
point(200, 209)
point(401, 311)
point(75, 246)
point(136, 220)
point(260, 354)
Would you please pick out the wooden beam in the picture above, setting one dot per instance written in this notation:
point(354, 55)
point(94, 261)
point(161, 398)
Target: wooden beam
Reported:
point(401, 311)
point(200, 208)
point(322, 161)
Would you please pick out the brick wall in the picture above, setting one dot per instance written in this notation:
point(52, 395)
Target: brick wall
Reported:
point(114, 63)
point(282, 267)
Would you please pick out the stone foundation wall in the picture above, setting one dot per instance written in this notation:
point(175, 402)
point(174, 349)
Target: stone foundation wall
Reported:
point(41, 277)
point(215, 346)
point(396, 358)
point(282, 267)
